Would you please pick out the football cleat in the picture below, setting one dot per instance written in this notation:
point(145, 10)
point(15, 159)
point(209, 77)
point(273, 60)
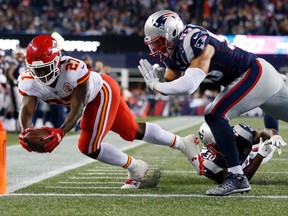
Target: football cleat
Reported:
point(189, 147)
point(234, 183)
point(135, 175)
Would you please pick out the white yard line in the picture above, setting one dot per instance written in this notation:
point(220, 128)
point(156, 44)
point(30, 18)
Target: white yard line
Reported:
point(144, 195)
point(24, 168)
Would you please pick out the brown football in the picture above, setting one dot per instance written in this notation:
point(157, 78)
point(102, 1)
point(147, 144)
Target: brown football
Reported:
point(33, 139)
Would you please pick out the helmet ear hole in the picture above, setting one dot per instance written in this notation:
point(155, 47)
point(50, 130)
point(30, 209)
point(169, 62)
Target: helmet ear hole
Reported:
point(174, 33)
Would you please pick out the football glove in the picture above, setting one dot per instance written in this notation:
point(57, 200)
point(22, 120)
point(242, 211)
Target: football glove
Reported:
point(149, 74)
point(21, 139)
point(160, 71)
point(55, 137)
point(277, 141)
point(265, 148)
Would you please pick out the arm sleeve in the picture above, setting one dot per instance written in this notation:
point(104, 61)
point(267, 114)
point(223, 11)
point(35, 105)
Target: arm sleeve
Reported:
point(186, 84)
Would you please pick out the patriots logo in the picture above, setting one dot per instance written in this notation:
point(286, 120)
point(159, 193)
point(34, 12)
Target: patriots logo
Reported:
point(160, 22)
point(200, 42)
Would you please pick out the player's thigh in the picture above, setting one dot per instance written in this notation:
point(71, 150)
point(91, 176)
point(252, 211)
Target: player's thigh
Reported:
point(99, 117)
point(277, 106)
point(250, 90)
point(125, 124)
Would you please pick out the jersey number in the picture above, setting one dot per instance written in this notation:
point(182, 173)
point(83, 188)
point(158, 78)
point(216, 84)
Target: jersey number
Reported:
point(72, 64)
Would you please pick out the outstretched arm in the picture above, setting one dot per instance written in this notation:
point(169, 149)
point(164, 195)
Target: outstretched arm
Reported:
point(27, 110)
point(79, 100)
point(186, 84)
point(265, 133)
point(264, 149)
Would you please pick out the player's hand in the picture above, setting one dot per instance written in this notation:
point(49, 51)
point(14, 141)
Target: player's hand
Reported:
point(160, 71)
point(278, 141)
point(55, 137)
point(21, 139)
point(265, 148)
point(149, 74)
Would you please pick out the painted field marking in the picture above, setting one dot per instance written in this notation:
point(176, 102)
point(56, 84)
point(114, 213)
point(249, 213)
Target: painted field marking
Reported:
point(145, 195)
point(90, 182)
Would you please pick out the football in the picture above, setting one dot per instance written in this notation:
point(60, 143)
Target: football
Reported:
point(33, 139)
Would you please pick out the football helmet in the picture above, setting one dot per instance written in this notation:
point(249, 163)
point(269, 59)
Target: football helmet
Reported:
point(43, 59)
point(205, 134)
point(207, 139)
point(162, 30)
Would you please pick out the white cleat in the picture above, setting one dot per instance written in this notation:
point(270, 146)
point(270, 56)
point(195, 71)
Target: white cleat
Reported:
point(189, 147)
point(135, 175)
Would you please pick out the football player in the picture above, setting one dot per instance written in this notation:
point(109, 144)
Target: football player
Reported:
point(254, 146)
point(190, 54)
point(96, 100)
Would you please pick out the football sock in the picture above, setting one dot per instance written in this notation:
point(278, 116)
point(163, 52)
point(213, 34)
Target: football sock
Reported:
point(109, 154)
point(155, 134)
point(236, 169)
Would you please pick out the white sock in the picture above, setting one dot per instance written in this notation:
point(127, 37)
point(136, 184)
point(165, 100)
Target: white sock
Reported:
point(156, 135)
point(236, 169)
point(109, 154)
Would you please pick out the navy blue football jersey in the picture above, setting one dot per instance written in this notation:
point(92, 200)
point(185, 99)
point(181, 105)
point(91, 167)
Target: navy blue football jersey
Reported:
point(213, 160)
point(227, 64)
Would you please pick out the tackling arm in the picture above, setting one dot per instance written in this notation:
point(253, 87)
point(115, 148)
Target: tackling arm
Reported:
point(192, 78)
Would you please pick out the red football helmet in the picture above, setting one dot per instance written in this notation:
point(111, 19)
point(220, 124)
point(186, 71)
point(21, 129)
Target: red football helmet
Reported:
point(43, 59)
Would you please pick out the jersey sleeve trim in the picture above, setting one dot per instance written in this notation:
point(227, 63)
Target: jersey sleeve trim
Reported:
point(22, 93)
point(26, 77)
point(83, 79)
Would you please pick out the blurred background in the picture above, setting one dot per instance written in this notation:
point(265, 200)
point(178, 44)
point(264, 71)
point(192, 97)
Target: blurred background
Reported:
point(108, 36)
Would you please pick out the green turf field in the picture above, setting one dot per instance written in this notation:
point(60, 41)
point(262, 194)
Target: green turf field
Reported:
point(94, 189)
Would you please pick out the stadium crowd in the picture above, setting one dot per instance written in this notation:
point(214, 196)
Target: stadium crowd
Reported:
point(127, 17)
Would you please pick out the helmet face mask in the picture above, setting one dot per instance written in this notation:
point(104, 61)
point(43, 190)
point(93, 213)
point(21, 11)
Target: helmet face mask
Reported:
point(160, 48)
point(43, 59)
point(162, 30)
point(47, 73)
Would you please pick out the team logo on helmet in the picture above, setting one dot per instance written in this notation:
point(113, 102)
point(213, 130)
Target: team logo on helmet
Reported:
point(160, 21)
point(55, 47)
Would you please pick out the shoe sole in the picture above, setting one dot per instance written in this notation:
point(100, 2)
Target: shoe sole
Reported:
point(234, 191)
point(131, 186)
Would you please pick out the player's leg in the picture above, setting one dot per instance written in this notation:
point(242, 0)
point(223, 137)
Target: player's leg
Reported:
point(126, 126)
point(242, 95)
point(270, 122)
point(97, 120)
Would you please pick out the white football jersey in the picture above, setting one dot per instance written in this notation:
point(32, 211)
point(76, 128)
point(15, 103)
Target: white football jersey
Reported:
point(73, 72)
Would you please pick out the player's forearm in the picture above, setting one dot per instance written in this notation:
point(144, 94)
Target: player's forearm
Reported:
point(71, 120)
point(25, 119)
point(251, 169)
point(187, 84)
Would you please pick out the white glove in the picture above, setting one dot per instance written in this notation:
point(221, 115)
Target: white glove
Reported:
point(160, 71)
point(277, 141)
point(265, 148)
point(149, 74)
